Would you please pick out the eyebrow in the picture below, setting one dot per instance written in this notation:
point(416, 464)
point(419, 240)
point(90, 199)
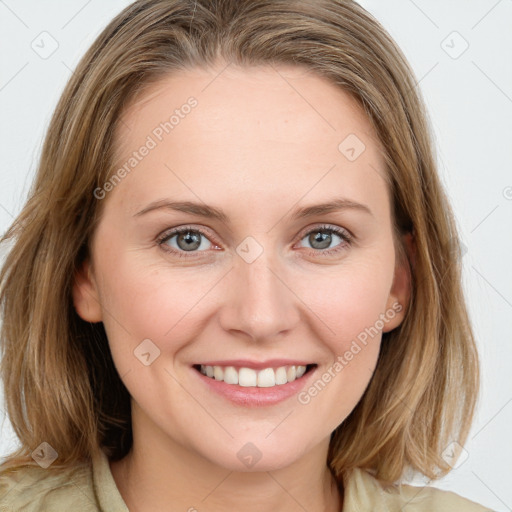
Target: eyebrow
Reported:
point(204, 210)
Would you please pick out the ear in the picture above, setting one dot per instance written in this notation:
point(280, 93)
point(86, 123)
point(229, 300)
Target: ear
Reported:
point(400, 293)
point(85, 294)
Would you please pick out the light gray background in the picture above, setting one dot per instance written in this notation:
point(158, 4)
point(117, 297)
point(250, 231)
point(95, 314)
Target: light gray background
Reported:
point(469, 96)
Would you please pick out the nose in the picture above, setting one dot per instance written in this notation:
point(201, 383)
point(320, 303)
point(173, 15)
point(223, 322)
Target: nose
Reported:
point(260, 303)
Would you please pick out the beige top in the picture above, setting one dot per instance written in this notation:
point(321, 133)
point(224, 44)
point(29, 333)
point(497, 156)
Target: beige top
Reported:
point(91, 488)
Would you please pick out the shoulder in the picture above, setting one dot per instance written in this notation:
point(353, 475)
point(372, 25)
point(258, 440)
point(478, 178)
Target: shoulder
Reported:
point(364, 492)
point(423, 499)
point(33, 488)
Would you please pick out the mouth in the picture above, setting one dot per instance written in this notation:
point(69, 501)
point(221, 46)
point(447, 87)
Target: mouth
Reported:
point(242, 376)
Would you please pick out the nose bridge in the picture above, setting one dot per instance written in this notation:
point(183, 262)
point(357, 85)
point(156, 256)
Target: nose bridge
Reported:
point(261, 305)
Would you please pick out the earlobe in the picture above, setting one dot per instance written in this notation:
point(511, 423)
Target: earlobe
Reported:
point(400, 293)
point(85, 294)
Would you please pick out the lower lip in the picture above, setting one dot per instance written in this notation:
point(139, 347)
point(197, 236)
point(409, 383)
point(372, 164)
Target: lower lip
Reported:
point(254, 396)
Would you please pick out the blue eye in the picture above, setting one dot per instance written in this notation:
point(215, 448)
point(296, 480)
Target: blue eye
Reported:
point(189, 241)
point(320, 238)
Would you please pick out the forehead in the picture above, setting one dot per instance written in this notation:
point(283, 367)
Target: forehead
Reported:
point(265, 99)
point(255, 130)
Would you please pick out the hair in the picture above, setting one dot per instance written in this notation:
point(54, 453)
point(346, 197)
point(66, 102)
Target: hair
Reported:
point(61, 385)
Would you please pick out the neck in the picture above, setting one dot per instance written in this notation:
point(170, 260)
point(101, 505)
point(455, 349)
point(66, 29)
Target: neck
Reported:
point(159, 474)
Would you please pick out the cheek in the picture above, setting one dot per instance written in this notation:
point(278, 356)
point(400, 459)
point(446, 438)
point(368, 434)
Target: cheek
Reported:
point(348, 300)
point(141, 301)
point(351, 306)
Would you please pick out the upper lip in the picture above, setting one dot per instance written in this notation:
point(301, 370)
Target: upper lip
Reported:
point(256, 365)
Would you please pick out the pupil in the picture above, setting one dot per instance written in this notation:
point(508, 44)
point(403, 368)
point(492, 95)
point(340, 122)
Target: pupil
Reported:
point(191, 241)
point(324, 240)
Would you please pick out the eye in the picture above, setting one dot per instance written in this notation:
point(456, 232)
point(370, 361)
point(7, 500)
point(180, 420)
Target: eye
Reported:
point(187, 240)
point(322, 237)
point(184, 240)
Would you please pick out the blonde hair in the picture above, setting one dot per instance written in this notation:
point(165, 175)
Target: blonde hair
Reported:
point(60, 382)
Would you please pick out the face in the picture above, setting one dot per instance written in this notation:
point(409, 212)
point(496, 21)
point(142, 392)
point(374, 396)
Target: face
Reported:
point(243, 274)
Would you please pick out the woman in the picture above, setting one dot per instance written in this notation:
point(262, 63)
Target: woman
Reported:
point(236, 281)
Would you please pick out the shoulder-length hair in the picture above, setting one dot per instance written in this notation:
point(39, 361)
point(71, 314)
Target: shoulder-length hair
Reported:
point(60, 383)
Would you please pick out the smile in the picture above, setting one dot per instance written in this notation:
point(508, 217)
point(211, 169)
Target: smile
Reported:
point(249, 377)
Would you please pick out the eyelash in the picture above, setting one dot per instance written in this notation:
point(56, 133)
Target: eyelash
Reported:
point(347, 239)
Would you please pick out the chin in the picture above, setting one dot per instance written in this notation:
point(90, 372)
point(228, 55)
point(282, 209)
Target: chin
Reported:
point(258, 456)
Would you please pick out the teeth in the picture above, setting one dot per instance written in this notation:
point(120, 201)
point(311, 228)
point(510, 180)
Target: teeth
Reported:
point(266, 378)
point(281, 377)
point(300, 371)
point(230, 375)
point(247, 377)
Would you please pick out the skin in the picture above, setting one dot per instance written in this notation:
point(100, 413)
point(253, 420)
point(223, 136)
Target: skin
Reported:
point(260, 143)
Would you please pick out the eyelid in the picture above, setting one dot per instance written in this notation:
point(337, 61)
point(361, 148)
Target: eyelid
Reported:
point(326, 227)
point(169, 233)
